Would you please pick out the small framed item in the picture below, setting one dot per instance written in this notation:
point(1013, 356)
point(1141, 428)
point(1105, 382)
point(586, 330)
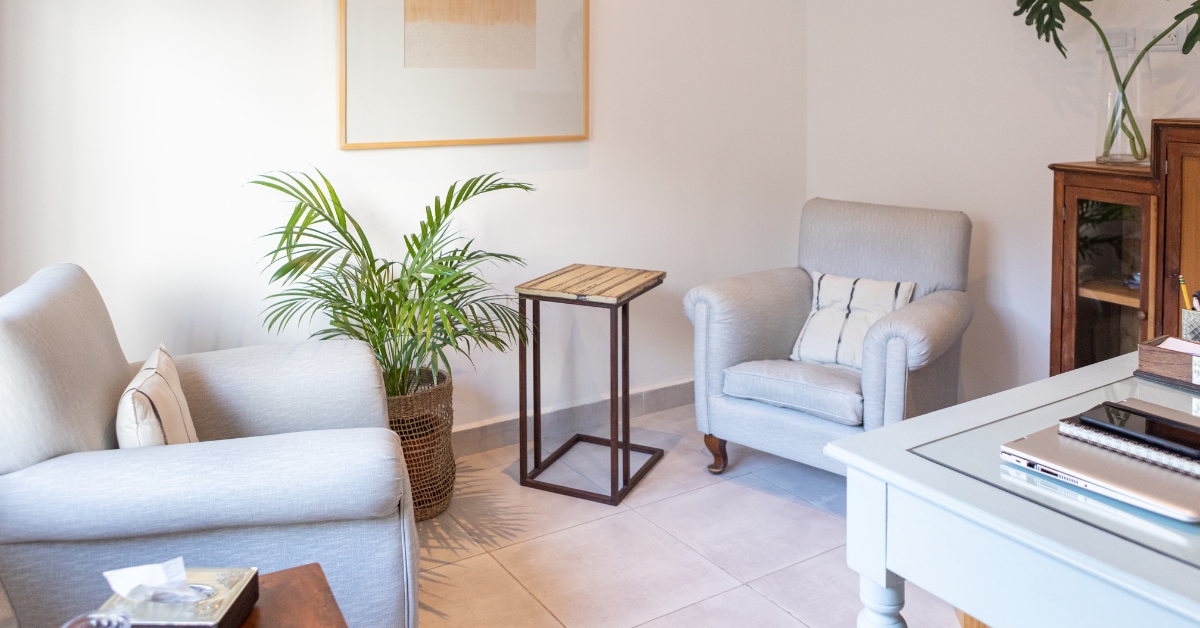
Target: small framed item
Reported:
point(230, 597)
point(441, 73)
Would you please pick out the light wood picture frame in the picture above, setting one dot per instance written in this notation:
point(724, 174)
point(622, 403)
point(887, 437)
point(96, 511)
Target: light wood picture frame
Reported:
point(458, 72)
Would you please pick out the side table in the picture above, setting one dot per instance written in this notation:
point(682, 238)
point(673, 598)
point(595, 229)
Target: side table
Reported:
point(299, 597)
point(593, 286)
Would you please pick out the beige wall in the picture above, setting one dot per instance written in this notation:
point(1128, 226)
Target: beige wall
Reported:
point(128, 128)
point(127, 131)
point(956, 105)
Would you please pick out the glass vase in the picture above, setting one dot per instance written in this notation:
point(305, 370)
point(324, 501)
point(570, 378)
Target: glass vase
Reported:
point(1124, 119)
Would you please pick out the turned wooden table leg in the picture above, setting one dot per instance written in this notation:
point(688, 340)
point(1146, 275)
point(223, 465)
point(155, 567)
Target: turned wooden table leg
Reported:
point(881, 605)
point(720, 456)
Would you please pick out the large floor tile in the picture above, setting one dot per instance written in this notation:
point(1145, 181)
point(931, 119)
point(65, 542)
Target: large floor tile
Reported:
point(443, 541)
point(6, 615)
point(478, 592)
point(685, 468)
point(595, 461)
point(740, 607)
point(681, 420)
point(823, 593)
point(616, 572)
point(682, 469)
point(818, 486)
point(497, 511)
point(748, 526)
point(504, 456)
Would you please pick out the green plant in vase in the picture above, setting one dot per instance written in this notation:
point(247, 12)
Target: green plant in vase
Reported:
point(1048, 18)
point(413, 312)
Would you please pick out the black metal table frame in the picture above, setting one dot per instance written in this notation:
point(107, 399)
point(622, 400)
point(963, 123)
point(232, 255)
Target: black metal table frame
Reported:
point(618, 441)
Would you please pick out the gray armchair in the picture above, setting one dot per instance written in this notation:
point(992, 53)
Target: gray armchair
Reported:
point(910, 358)
point(295, 464)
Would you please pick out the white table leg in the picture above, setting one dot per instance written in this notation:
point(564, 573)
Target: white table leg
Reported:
point(881, 605)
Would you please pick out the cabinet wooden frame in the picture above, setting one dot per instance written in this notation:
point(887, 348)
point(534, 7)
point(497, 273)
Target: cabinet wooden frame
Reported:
point(1127, 185)
point(1176, 142)
point(1168, 191)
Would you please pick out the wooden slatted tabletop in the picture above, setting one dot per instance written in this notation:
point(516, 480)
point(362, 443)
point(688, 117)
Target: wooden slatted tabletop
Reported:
point(598, 284)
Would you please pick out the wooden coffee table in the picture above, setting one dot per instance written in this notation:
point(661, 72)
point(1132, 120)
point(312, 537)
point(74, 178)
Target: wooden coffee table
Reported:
point(299, 597)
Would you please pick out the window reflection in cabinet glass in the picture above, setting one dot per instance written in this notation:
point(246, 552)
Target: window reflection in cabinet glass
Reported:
point(1108, 282)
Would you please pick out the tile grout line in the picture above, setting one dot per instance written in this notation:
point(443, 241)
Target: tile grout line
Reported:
point(696, 552)
point(797, 495)
point(702, 557)
point(526, 589)
point(777, 605)
point(574, 525)
point(799, 562)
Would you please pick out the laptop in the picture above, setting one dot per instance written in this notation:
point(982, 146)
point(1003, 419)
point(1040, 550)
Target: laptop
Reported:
point(1108, 473)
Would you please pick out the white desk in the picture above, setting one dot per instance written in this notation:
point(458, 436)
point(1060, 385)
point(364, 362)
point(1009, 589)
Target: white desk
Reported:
point(1012, 555)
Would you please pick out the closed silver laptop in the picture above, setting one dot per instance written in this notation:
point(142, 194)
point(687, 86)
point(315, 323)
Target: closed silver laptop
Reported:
point(1108, 473)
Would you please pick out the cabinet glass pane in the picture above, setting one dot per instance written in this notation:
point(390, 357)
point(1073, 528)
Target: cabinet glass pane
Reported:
point(1108, 280)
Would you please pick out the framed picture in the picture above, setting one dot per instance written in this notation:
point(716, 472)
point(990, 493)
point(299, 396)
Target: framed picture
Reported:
point(446, 72)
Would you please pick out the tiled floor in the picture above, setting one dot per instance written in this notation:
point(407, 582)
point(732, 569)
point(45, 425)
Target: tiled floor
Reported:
point(6, 618)
point(761, 545)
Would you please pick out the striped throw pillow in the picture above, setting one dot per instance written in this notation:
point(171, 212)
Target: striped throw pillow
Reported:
point(843, 309)
point(152, 411)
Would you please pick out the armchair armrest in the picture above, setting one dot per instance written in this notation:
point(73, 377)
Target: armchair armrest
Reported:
point(307, 477)
point(756, 316)
point(908, 339)
point(274, 389)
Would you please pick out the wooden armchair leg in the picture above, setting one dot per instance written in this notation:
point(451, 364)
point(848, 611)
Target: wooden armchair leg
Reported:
point(720, 456)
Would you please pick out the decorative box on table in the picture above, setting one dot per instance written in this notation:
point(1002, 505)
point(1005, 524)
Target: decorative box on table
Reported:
point(1170, 361)
point(232, 594)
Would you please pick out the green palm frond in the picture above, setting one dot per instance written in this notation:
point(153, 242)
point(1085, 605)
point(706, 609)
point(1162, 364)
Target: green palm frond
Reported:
point(1047, 17)
point(1193, 36)
point(414, 312)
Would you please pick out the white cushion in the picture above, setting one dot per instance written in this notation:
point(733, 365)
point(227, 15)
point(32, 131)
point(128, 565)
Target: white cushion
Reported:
point(828, 391)
point(152, 411)
point(843, 309)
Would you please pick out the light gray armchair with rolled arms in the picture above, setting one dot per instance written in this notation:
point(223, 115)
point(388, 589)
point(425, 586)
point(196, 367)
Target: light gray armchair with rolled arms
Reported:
point(295, 464)
point(910, 362)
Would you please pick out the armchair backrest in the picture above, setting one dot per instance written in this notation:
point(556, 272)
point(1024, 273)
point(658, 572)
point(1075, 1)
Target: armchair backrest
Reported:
point(62, 370)
point(928, 246)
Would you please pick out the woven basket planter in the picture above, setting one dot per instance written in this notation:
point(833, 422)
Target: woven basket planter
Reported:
point(423, 421)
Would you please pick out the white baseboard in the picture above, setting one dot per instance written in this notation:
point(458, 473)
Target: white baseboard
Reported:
point(503, 431)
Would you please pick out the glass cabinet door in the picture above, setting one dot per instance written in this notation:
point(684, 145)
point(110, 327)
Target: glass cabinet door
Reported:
point(1108, 275)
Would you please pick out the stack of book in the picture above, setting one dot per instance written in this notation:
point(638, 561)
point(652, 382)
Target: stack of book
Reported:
point(1148, 432)
point(1133, 451)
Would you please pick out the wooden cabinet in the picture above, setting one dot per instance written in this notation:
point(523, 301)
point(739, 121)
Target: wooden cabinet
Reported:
point(1122, 237)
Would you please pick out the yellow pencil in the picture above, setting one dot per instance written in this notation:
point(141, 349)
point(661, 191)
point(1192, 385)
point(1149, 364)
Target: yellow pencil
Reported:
point(1187, 300)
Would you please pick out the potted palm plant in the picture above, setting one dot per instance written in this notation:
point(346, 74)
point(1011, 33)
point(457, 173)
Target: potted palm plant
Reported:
point(413, 312)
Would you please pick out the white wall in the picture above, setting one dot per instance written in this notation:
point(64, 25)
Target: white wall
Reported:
point(956, 105)
point(128, 129)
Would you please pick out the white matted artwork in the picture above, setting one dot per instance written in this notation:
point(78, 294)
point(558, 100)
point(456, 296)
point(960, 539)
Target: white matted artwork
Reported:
point(443, 72)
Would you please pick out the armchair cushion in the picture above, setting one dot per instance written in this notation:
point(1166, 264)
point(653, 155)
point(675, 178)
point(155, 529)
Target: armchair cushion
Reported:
point(828, 391)
point(304, 477)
